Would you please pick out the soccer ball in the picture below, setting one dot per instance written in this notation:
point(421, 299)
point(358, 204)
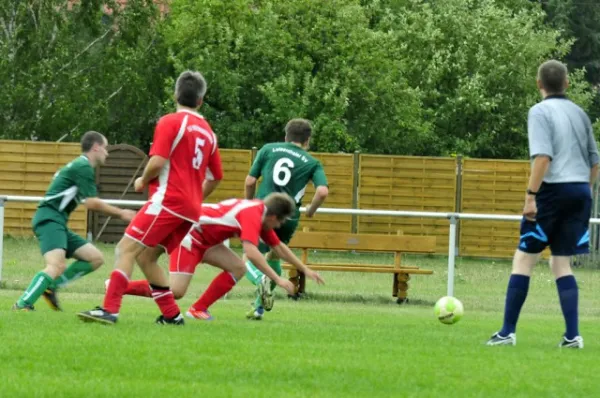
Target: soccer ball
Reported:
point(448, 310)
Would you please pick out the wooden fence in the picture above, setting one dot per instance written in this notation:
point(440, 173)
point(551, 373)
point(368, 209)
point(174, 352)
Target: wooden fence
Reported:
point(356, 181)
point(26, 168)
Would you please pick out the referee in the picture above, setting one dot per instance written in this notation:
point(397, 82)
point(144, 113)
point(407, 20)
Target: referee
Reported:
point(558, 201)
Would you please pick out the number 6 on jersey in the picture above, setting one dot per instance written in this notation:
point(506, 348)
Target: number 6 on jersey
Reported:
point(280, 168)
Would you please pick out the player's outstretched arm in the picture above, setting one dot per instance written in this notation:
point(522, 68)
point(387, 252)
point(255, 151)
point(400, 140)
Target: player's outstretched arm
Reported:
point(208, 187)
point(320, 195)
point(97, 204)
point(256, 257)
point(284, 252)
point(593, 175)
point(151, 171)
point(250, 187)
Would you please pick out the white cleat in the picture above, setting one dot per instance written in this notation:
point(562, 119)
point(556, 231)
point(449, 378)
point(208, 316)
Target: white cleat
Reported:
point(577, 342)
point(496, 339)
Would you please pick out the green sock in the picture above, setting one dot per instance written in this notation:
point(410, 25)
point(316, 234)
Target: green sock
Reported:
point(276, 265)
point(38, 285)
point(253, 274)
point(75, 271)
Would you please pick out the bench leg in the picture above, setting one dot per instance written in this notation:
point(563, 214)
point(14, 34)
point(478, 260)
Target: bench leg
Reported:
point(301, 283)
point(401, 287)
point(294, 277)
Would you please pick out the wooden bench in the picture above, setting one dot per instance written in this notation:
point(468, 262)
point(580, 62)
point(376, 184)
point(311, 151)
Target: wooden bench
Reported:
point(363, 243)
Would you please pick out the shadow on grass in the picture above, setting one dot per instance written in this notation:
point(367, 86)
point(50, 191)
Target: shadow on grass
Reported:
point(360, 299)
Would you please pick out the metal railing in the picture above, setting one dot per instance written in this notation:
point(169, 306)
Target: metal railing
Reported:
point(452, 218)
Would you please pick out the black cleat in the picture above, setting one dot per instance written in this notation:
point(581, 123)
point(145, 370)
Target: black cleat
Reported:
point(52, 299)
point(26, 308)
point(177, 320)
point(264, 291)
point(99, 315)
point(577, 342)
point(497, 339)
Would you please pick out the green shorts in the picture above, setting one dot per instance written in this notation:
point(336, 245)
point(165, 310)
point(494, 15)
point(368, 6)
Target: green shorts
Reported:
point(284, 233)
point(54, 235)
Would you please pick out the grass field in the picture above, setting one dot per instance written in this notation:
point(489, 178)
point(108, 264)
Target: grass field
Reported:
point(347, 338)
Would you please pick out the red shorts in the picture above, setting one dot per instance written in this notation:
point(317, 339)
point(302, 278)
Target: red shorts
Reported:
point(153, 226)
point(186, 257)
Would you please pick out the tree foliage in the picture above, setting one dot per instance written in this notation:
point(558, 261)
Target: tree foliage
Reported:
point(415, 77)
point(403, 76)
point(67, 69)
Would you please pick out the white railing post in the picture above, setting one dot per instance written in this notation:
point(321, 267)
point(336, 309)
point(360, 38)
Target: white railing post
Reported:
point(451, 253)
point(2, 201)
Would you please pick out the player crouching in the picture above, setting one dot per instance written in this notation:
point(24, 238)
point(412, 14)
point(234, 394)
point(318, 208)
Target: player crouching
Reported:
point(250, 220)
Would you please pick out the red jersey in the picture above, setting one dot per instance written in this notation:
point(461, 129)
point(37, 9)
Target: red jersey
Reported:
point(230, 218)
point(188, 143)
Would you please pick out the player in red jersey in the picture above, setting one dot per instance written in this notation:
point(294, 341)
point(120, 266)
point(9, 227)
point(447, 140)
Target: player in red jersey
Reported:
point(184, 165)
point(250, 220)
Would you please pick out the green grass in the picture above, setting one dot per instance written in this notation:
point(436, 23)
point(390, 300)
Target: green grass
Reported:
point(347, 338)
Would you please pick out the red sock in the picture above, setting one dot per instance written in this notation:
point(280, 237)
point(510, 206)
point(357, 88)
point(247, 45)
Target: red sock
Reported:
point(139, 288)
point(114, 294)
point(222, 284)
point(165, 301)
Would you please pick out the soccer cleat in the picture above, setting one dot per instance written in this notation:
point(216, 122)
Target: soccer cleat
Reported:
point(26, 308)
point(203, 315)
point(52, 299)
point(496, 339)
point(99, 315)
point(577, 342)
point(265, 293)
point(255, 314)
point(178, 320)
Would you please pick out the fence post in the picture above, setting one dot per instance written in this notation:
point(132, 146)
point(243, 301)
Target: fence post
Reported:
point(355, 183)
point(2, 202)
point(451, 253)
point(458, 198)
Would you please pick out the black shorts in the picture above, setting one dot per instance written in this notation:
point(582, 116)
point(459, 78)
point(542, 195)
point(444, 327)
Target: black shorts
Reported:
point(562, 220)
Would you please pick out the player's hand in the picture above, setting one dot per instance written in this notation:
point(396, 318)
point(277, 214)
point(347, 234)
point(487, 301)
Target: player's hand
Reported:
point(287, 285)
point(309, 212)
point(138, 185)
point(315, 277)
point(530, 208)
point(127, 215)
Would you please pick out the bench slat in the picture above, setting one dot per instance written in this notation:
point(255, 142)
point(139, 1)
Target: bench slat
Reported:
point(363, 242)
point(387, 270)
point(359, 265)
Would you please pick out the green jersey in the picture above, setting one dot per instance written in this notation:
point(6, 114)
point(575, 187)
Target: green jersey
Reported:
point(286, 167)
point(70, 185)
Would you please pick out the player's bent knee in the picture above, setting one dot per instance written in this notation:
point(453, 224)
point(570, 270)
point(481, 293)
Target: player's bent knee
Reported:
point(55, 269)
point(523, 262)
point(560, 266)
point(239, 271)
point(97, 261)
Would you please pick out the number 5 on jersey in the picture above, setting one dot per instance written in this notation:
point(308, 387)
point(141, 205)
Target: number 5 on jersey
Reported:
point(197, 161)
point(282, 166)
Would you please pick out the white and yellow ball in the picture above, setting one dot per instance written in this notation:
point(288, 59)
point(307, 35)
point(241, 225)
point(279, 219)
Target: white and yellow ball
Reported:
point(448, 310)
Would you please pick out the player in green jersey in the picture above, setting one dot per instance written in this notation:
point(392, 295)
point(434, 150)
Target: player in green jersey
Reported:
point(285, 167)
point(70, 186)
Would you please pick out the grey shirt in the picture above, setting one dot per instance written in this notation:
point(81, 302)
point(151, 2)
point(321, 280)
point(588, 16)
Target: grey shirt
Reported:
point(560, 129)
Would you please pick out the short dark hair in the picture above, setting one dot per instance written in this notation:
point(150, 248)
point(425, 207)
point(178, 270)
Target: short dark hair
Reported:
point(298, 130)
point(89, 139)
point(553, 75)
point(189, 88)
point(280, 205)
